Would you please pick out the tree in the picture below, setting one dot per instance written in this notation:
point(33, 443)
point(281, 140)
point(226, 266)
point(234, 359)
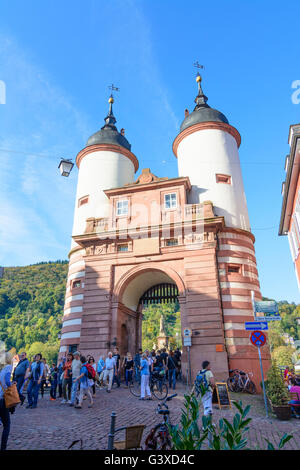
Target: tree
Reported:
point(283, 355)
point(274, 338)
point(151, 323)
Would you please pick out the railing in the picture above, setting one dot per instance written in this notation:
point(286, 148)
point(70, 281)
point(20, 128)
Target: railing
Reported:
point(196, 210)
point(184, 213)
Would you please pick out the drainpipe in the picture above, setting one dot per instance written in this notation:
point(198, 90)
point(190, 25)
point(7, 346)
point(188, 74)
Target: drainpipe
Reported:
point(217, 262)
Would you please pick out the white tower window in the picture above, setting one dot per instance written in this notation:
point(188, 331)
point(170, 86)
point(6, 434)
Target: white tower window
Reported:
point(122, 207)
point(171, 201)
point(226, 179)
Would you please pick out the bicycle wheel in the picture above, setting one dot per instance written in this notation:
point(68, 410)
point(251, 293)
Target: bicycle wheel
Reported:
point(135, 388)
point(233, 384)
point(158, 438)
point(250, 387)
point(160, 390)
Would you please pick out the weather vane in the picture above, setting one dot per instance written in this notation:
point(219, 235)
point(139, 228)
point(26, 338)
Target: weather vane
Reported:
point(198, 66)
point(112, 87)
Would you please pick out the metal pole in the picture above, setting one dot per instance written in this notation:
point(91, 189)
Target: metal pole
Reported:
point(189, 359)
point(263, 381)
point(111, 435)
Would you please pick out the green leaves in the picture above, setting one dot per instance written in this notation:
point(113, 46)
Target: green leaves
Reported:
point(286, 438)
point(227, 435)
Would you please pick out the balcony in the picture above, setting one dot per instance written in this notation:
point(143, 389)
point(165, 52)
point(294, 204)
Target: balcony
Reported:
point(188, 212)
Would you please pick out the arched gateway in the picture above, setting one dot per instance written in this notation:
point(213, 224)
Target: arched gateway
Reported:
point(191, 232)
point(141, 285)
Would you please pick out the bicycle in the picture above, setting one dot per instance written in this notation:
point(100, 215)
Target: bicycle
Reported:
point(157, 386)
point(159, 436)
point(241, 382)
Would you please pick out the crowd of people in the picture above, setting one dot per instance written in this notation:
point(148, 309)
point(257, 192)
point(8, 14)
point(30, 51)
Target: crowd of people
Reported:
point(75, 378)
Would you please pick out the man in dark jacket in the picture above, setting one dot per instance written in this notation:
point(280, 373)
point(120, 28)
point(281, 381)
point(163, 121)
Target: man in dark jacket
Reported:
point(19, 374)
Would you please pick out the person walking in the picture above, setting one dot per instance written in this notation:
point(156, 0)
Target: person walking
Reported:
point(45, 376)
point(100, 371)
point(67, 379)
point(145, 375)
point(128, 368)
point(208, 383)
point(5, 376)
point(60, 374)
point(172, 365)
point(84, 384)
point(19, 374)
point(137, 365)
point(53, 381)
point(76, 368)
point(92, 382)
point(36, 375)
point(109, 370)
point(117, 358)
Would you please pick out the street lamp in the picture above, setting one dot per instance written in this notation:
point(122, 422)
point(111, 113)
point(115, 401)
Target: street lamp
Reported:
point(65, 166)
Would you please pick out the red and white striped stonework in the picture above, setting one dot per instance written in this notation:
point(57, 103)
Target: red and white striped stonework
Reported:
point(236, 253)
point(73, 309)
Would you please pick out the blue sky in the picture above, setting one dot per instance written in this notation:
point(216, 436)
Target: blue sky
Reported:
point(57, 59)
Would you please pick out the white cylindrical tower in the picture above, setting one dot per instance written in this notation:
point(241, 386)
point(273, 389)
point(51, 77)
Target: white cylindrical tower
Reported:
point(106, 162)
point(207, 152)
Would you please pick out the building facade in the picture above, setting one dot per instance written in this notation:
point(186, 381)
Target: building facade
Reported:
point(186, 238)
point(290, 211)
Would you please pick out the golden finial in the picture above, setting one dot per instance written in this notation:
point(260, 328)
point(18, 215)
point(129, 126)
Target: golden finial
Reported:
point(111, 100)
point(198, 78)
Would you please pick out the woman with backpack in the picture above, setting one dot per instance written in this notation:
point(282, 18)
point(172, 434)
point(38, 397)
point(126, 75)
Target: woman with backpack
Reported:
point(85, 376)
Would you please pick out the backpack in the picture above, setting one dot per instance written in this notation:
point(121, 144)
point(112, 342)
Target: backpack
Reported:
point(201, 382)
point(91, 371)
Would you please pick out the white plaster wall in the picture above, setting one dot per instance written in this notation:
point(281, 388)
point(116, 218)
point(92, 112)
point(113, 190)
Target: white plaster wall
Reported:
point(98, 171)
point(203, 154)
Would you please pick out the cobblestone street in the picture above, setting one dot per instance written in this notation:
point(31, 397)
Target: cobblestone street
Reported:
point(55, 426)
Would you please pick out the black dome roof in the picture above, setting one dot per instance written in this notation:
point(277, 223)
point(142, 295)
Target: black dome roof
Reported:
point(203, 115)
point(109, 134)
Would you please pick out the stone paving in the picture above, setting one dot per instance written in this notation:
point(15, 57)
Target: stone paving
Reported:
point(55, 426)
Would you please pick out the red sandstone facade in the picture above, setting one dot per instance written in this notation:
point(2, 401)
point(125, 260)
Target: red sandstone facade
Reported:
point(290, 212)
point(120, 257)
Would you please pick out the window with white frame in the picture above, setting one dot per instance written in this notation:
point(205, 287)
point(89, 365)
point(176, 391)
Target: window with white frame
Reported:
point(122, 207)
point(297, 209)
point(171, 201)
point(293, 240)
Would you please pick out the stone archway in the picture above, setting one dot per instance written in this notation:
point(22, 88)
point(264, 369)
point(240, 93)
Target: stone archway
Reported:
point(126, 300)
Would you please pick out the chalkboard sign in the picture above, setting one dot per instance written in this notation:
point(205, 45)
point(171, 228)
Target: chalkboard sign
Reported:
point(222, 394)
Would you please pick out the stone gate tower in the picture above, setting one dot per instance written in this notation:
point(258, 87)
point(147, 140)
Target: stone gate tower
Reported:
point(152, 239)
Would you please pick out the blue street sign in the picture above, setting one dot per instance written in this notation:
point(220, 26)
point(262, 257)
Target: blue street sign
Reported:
point(277, 318)
point(256, 325)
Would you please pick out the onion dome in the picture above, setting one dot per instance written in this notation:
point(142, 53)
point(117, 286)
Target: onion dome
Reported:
point(109, 134)
point(202, 111)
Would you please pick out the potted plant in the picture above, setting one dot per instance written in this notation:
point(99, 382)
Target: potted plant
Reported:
point(277, 393)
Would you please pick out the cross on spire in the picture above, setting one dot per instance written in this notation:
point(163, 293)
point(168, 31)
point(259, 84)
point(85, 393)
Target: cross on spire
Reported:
point(198, 66)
